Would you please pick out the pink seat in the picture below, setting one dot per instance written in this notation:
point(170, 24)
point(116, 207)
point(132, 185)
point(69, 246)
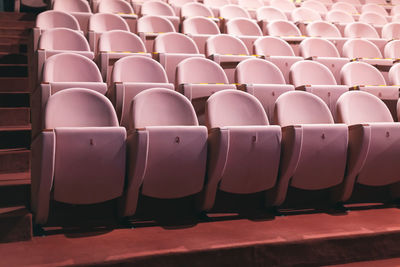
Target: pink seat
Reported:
point(303, 14)
point(285, 6)
point(103, 22)
point(161, 9)
point(132, 75)
point(394, 78)
point(322, 29)
point(80, 9)
point(233, 11)
point(215, 5)
point(80, 159)
point(200, 29)
point(167, 148)
point(117, 44)
point(267, 14)
point(316, 6)
point(262, 79)
point(391, 31)
point(344, 6)
point(373, 18)
point(307, 130)
point(360, 30)
point(288, 31)
point(371, 7)
point(194, 9)
point(339, 16)
point(378, 2)
point(178, 4)
point(374, 142)
point(244, 148)
point(245, 29)
point(171, 49)
point(121, 8)
point(395, 10)
point(392, 49)
point(277, 51)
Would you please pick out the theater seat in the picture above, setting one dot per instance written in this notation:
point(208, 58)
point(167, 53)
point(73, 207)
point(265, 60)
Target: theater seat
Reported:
point(392, 50)
point(287, 31)
point(194, 9)
point(161, 9)
point(244, 149)
point(200, 29)
point(314, 149)
point(246, 30)
point(375, 8)
point(322, 29)
point(285, 6)
point(121, 8)
point(394, 75)
point(233, 11)
point(80, 9)
point(391, 31)
point(364, 30)
point(167, 148)
point(267, 14)
point(215, 5)
point(80, 157)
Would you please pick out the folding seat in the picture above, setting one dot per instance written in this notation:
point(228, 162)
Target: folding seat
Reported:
point(396, 18)
point(392, 50)
point(167, 149)
point(302, 16)
point(373, 18)
point(395, 2)
point(395, 10)
point(215, 5)
point(245, 29)
point(322, 29)
point(251, 6)
point(374, 8)
point(130, 76)
point(324, 52)
point(374, 143)
point(277, 51)
point(117, 44)
point(158, 8)
point(339, 18)
point(394, 78)
point(363, 76)
point(262, 79)
point(378, 2)
point(200, 29)
point(352, 2)
point(364, 30)
point(80, 9)
point(63, 71)
point(121, 8)
point(198, 78)
point(178, 4)
point(171, 48)
point(346, 7)
point(233, 11)
point(80, 157)
point(314, 148)
point(316, 6)
point(285, 6)
point(137, 5)
point(287, 31)
point(149, 27)
point(391, 31)
point(227, 51)
point(103, 22)
point(194, 9)
point(244, 149)
point(267, 14)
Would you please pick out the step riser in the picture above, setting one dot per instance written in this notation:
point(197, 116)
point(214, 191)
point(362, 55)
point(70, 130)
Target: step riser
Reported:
point(14, 32)
point(14, 85)
point(10, 16)
point(14, 100)
point(13, 71)
point(15, 139)
point(13, 47)
point(14, 116)
point(14, 162)
point(13, 58)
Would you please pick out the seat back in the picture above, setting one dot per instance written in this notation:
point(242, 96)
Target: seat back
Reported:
point(199, 70)
point(371, 7)
point(180, 3)
point(394, 75)
point(322, 29)
point(378, 2)
point(199, 25)
point(318, 47)
point(72, 6)
point(357, 107)
point(115, 6)
point(161, 107)
point(308, 72)
point(395, 10)
point(272, 46)
point(78, 107)
point(63, 39)
point(251, 4)
point(316, 6)
point(243, 26)
point(154, 24)
point(269, 13)
point(139, 70)
point(392, 49)
point(193, 9)
point(157, 8)
point(358, 48)
point(56, 19)
point(234, 108)
point(351, 2)
point(300, 107)
point(216, 3)
point(361, 73)
point(345, 7)
point(360, 30)
point(225, 44)
point(258, 71)
point(391, 31)
point(305, 14)
point(120, 41)
point(373, 18)
point(339, 16)
point(69, 67)
point(103, 22)
point(173, 42)
point(282, 28)
point(283, 5)
point(233, 11)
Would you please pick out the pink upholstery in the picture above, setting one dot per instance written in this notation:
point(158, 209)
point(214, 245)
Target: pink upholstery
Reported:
point(392, 49)
point(391, 31)
point(358, 48)
point(371, 7)
point(360, 30)
point(244, 151)
point(373, 18)
point(269, 13)
point(339, 16)
point(378, 2)
point(262, 79)
point(80, 9)
point(352, 2)
point(233, 11)
point(307, 130)
point(395, 10)
point(56, 19)
point(373, 142)
point(251, 4)
point(122, 8)
point(303, 14)
point(394, 76)
point(81, 158)
point(245, 29)
point(283, 5)
point(131, 75)
point(282, 28)
point(316, 6)
point(194, 9)
point(167, 148)
point(322, 29)
point(160, 9)
point(149, 27)
point(344, 6)
point(215, 5)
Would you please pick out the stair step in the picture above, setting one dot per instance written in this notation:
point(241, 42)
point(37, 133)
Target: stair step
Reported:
point(13, 70)
point(15, 137)
point(14, 116)
point(4, 39)
point(15, 224)
point(13, 58)
point(14, 161)
point(13, 31)
point(14, 99)
point(16, 16)
point(13, 47)
point(15, 179)
point(27, 24)
point(14, 84)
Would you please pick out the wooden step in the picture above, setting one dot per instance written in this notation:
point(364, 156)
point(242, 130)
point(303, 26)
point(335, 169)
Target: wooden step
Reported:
point(14, 84)
point(11, 47)
point(13, 58)
point(14, 99)
point(15, 224)
point(14, 161)
point(13, 39)
point(15, 137)
point(13, 70)
point(15, 179)
point(16, 16)
point(13, 31)
point(15, 116)
point(27, 24)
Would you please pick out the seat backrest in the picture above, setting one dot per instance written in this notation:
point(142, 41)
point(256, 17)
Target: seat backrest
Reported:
point(392, 49)
point(300, 107)
point(272, 46)
point(161, 107)
point(391, 31)
point(269, 13)
point(200, 25)
point(305, 14)
point(225, 44)
point(233, 11)
point(352, 2)
point(316, 6)
point(339, 16)
point(283, 5)
point(372, 18)
point(199, 70)
point(193, 9)
point(72, 6)
point(344, 6)
point(378, 2)
point(309, 72)
point(360, 30)
point(356, 48)
point(258, 71)
point(56, 19)
point(234, 108)
point(69, 67)
point(173, 42)
point(78, 107)
point(251, 4)
point(63, 39)
point(243, 26)
point(282, 28)
point(138, 69)
point(371, 7)
point(395, 10)
point(115, 6)
point(394, 74)
point(361, 73)
point(157, 8)
point(120, 41)
point(396, 18)
point(318, 47)
point(358, 107)
point(180, 3)
point(103, 22)
point(322, 29)
point(154, 24)
point(216, 3)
